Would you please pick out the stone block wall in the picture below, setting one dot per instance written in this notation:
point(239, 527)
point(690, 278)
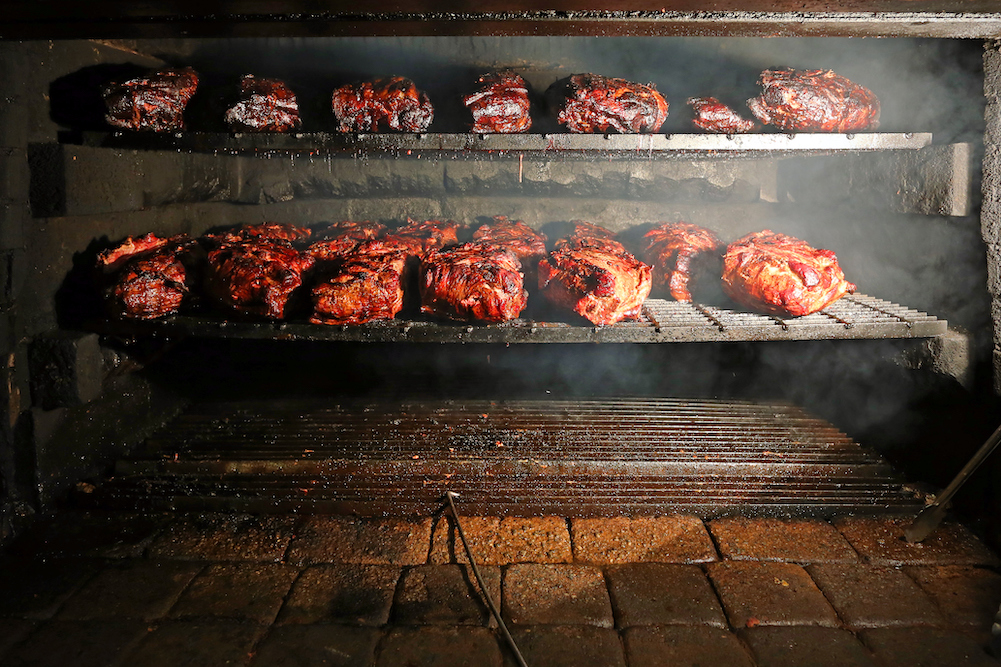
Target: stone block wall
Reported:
point(991, 184)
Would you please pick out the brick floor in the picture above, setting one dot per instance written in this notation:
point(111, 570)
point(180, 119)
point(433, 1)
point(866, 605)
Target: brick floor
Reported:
point(756, 594)
point(806, 646)
point(93, 643)
point(131, 589)
point(445, 595)
point(355, 594)
point(868, 596)
point(285, 590)
point(925, 647)
point(334, 539)
point(436, 646)
point(503, 541)
point(309, 645)
point(792, 540)
point(965, 595)
point(671, 539)
point(556, 595)
point(881, 541)
point(196, 643)
point(662, 594)
point(567, 646)
point(658, 646)
point(250, 591)
point(225, 537)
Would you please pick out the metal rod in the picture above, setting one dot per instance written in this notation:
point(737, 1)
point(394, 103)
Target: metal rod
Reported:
point(451, 495)
point(930, 517)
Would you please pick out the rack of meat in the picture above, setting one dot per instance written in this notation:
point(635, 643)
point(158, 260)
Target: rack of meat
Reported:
point(441, 281)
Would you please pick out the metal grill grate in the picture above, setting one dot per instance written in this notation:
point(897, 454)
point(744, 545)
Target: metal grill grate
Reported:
point(519, 457)
point(856, 316)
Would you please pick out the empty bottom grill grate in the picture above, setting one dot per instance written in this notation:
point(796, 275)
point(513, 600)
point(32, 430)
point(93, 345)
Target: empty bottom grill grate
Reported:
point(572, 458)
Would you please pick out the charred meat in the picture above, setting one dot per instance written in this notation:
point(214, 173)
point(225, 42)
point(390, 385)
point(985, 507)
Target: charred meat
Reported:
point(501, 106)
point(782, 275)
point(589, 235)
point(341, 238)
point(814, 101)
point(472, 282)
point(528, 244)
point(393, 102)
point(712, 115)
point(266, 105)
point(149, 276)
point(367, 286)
point(421, 237)
point(153, 103)
point(264, 231)
point(256, 269)
point(594, 103)
point(595, 277)
point(681, 254)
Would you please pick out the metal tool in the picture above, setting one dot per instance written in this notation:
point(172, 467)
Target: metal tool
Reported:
point(451, 495)
point(931, 516)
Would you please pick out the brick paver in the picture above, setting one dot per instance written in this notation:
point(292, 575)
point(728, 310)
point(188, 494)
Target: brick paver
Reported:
point(37, 588)
point(131, 589)
point(882, 542)
point(662, 594)
point(806, 646)
point(309, 645)
point(225, 537)
point(567, 646)
point(670, 539)
point(337, 539)
point(868, 596)
point(445, 595)
point(556, 595)
point(503, 541)
point(657, 646)
point(354, 594)
point(966, 595)
point(438, 646)
point(94, 643)
point(792, 540)
point(251, 591)
point(196, 643)
point(756, 594)
point(925, 647)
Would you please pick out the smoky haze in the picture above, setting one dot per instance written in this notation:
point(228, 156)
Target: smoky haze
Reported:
point(933, 263)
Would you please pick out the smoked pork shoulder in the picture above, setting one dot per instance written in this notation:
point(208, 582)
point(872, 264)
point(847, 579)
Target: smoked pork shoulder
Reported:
point(814, 100)
point(782, 275)
point(681, 254)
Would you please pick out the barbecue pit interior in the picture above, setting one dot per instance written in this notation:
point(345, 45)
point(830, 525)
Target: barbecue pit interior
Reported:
point(900, 206)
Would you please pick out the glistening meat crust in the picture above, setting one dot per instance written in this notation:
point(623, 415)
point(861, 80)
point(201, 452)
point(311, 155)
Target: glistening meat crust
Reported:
point(594, 103)
point(712, 115)
point(149, 276)
point(681, 253)
point(782, 275)
point(256, 269)
point(814, 101)
point(472, 282)
point(420, 237)
point(595, 277)
point(341, 238)
point(153, 103)
point(368, 286)
point(501, 106)
point(393, 102)
point(266, 105)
